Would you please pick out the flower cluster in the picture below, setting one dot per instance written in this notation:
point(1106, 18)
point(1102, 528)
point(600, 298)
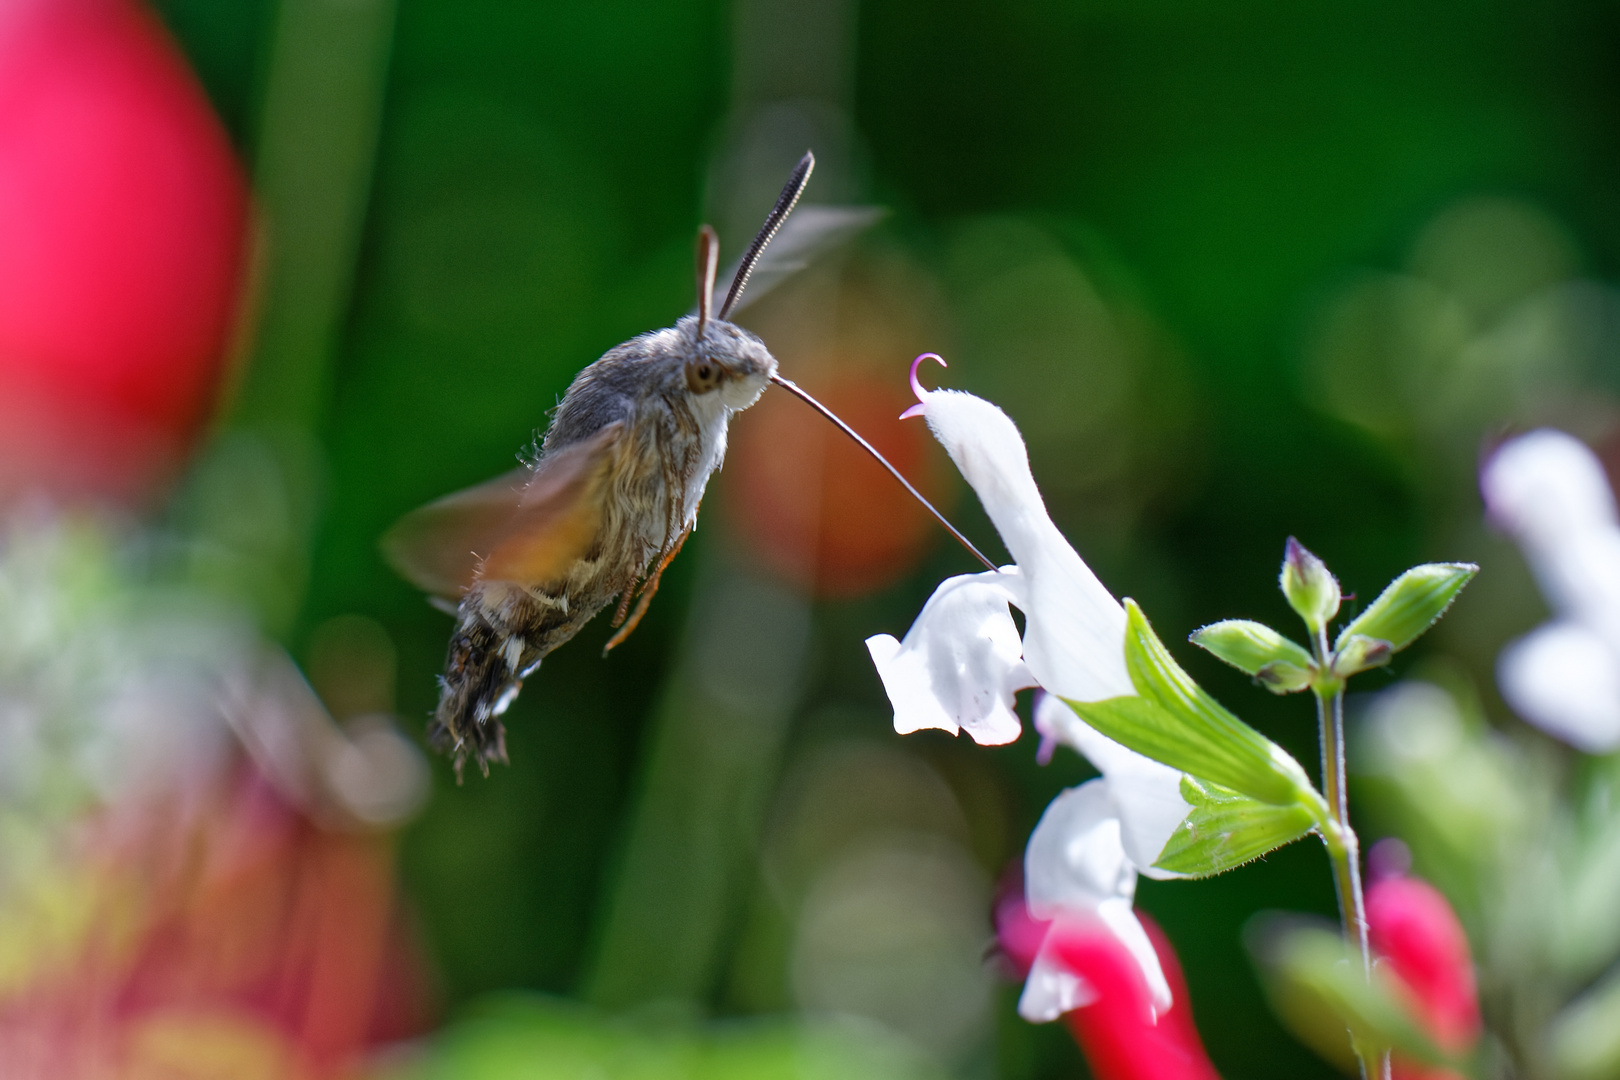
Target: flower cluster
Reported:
point(1187, 789)
point(963, 660)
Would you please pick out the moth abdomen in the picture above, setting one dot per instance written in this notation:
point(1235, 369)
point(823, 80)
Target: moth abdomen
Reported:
point(502, 634)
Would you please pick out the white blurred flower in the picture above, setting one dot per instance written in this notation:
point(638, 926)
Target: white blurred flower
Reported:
point(1550, 493)
point(119, 693)
point(1076, 870)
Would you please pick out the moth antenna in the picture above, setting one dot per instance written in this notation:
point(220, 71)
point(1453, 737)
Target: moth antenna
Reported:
point(773, 221)
point(793, 388)
point(708, 261)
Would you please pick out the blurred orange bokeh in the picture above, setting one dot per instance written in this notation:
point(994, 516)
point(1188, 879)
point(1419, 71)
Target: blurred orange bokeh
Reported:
point(804, 500)
point(815, 507)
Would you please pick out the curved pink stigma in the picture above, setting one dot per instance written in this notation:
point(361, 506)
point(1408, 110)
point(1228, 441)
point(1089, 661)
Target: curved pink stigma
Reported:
point(916, 385)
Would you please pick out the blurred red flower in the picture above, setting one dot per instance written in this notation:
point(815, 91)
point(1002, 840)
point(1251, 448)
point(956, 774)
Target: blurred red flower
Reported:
point(122, 232)
point(1415, 931)
point(233, 937)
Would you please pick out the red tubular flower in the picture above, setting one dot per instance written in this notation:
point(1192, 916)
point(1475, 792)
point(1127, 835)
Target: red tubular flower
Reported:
point(1121, 1038)
point(1414, 929)
point(122, 226)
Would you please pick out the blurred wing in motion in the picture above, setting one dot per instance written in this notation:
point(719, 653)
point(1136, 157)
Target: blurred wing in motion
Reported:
point(809, 234)
point(527, 526)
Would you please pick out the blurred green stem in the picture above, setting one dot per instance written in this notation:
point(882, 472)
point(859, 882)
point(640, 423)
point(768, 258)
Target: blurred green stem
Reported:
point(256, 494)
point(1344, 849)
point(711, 761)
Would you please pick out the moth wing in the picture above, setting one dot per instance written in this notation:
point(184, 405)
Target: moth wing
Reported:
point(526, 526)
point(808, 233)
point(436, 547)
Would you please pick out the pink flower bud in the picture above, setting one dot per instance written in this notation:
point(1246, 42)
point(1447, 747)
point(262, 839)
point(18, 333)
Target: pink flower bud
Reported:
point(1416, 932)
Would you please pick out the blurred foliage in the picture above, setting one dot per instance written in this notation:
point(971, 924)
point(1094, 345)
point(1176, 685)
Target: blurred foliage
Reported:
point(537, 1038)
point(1523, 835)
point(1240, 271)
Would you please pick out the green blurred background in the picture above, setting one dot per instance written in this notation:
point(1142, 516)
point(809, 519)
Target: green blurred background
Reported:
point(1239, 271)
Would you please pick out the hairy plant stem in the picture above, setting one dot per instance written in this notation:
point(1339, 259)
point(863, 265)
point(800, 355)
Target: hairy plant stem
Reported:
point(1344, 850)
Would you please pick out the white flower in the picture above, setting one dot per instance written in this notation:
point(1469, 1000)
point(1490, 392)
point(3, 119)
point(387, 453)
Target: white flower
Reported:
point(1074, 642)
point(1076, 870)
point(1550, 493)
point(962, 662)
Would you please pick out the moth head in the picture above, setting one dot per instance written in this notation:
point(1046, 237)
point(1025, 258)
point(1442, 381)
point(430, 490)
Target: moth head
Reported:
point(724, 359)
point(728, 361)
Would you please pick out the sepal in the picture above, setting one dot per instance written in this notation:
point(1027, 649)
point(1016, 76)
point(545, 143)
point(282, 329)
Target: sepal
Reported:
point(1281, 677)
point(1358, 652)
point(1226, 830)
point(1175, 722)
point(1410, 604)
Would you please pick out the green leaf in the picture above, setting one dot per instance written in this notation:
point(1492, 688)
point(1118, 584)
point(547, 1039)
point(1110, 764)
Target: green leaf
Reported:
point(1319, 988)
point(1226, 829)
point(1175, 722)
point(1311, 590)
point(1250, 646)
point(1410, 604)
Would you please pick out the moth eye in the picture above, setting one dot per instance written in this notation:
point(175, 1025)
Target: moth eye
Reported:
point(702, 375)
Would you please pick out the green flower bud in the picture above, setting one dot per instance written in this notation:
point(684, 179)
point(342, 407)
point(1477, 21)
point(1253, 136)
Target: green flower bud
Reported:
point(1250, 646)
point(1311, 590)
point(1282, 677)
point(1358, 652)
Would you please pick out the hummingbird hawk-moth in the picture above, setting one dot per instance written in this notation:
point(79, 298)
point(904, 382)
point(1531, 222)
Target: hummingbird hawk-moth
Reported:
point(524, 561)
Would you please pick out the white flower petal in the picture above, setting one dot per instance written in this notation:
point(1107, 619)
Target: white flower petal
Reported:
point(1565, 679)
point(1146, 794)
point(1120, 918)
point(1075, 859)
point(1076, 870)
point(1544, 486)
point(1075, 631)
point(1050, 990)
point(960, 664)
